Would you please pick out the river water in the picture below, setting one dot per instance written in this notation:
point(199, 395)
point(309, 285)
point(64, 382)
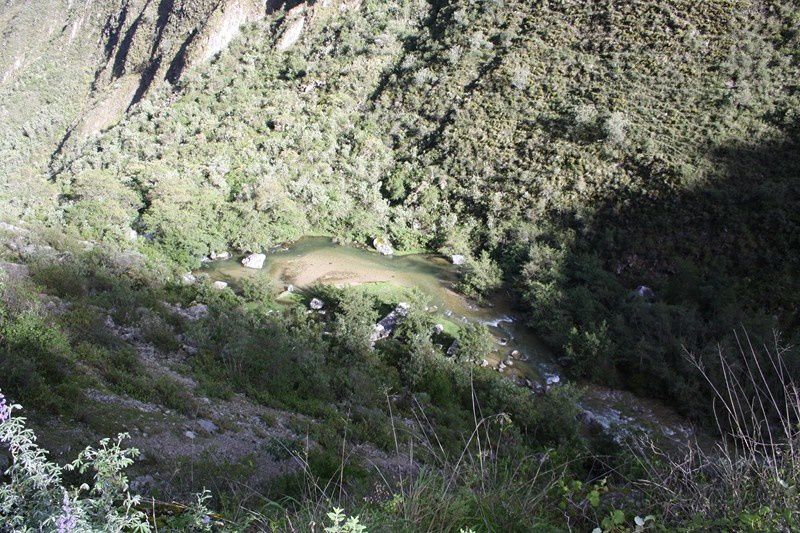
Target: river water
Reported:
point(318, 260)
point(314, 260)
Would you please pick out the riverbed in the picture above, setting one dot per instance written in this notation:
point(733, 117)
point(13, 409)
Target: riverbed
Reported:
point(313, 260)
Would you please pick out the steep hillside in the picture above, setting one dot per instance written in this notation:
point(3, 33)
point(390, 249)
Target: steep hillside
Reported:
point(589, 148)
point(621, 177)
point(80, 66)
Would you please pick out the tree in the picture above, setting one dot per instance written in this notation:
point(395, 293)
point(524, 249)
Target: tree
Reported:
point(480, 276)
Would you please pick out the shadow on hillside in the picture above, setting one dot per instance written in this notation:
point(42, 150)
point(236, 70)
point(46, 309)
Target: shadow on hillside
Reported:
point(716, 256)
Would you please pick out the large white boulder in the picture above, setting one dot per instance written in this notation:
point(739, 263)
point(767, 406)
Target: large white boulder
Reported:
point(383, 245)
point(254, 261)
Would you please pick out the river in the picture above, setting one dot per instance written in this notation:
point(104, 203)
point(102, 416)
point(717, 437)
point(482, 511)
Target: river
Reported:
point(314, 260)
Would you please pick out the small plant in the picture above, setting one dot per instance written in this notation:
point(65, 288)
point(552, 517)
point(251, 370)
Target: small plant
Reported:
point(342, 524)
point(35, 498)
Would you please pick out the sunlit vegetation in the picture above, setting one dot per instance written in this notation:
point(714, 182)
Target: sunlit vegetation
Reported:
point(628, 171)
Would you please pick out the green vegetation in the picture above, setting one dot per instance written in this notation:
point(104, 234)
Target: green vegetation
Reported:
point(629, 171)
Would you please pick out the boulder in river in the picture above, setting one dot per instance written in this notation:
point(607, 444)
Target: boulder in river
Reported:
point(386, 325)
point(316, 304)
point(219, 256)
point(254, 261)
point(383, 245)
point(458, 259)
point(643, 291)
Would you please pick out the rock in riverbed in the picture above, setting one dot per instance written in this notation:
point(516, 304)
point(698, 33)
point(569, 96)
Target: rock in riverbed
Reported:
point(219, 256)
point(254, 261)
point(383, 245)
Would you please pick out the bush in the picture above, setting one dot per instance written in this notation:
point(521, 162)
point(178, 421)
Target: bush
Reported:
point(480, 276)
point(36, 364)
point(589, 352)
point(355, 318)
point(159, 333)
point(35, 497)
point(474, 342)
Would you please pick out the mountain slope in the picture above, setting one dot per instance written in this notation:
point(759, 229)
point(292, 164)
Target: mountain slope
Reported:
point(590, 148)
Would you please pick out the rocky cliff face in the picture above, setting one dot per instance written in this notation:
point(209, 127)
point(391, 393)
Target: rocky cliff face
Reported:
point(81, 65)
point(147, 42)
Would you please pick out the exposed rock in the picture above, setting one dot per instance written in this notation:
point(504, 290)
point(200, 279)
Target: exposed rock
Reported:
point(219, 285)
point(219, 256)
point(195, 312)
point(150, 43)
point(316, 304)
point(508, 362)
point(190, 435)
point(438, 329)
point(514, 353)
point(501, 367)
point(643, 291)
point(207, 425)
point(387, 324)
point(290, 288)
point(452, 351)
point(484, 363)
point(131, 235)
point(458, 259)
point(54, 305)
point(128, 260)
point(291, 35)
point(14, 271)
point(224, 25)
point(502, 342)
point(254, 261)
point(383, 245)
point(552, 379)
point(188, 278)
point(11, 228)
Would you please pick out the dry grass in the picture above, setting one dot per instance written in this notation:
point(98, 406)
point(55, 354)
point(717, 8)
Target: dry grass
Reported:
point(750, 478)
